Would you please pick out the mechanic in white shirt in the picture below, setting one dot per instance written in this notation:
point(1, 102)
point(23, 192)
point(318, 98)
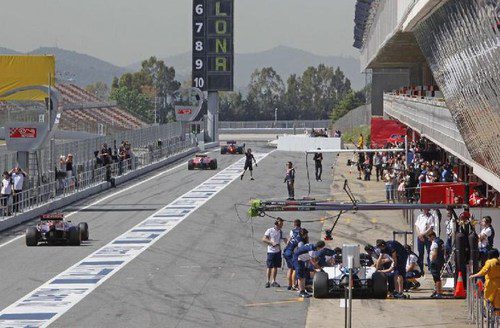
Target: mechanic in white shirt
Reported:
point(18, 176)
point(486, 237)
point(273, 237)
point(412, 270)
point(424, 225)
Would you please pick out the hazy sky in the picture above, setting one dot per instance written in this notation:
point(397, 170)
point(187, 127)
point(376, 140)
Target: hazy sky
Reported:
point(126, 31)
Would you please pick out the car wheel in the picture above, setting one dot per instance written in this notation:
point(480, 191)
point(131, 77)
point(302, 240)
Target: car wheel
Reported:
point(190, 165)
point(213, 164)
point(223, 151)
point(84, 230)
point(74, 236)
point(31, 236)
point(320, 285)
point(379, 283)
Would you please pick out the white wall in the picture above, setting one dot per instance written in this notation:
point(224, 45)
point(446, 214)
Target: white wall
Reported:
point(302, 143)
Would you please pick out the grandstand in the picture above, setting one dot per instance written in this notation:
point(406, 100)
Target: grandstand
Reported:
point(80, 110)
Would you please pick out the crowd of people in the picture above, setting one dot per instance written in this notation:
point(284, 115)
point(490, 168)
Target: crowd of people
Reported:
point(403, 177)
point(398, 262)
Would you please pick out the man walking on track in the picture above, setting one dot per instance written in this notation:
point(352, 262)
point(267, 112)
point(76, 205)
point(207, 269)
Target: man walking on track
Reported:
point(318, 158)
point(290, 181)
point(248, 164)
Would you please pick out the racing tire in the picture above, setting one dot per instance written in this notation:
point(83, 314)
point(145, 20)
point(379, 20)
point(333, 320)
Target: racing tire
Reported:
point(74, 236)
point(223, 150)
point(320, 285)
point(190, 165)
point(84, 230)
point(31, 236)
point(379, 285)
point(213, 165)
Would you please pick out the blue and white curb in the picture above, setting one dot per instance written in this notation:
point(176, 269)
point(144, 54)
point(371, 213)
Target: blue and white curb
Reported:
point(48, 302)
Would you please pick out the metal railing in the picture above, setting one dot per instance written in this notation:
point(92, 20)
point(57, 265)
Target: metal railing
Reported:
point(63, 186)
point(431, 118)
point(310, 124)
point(44, 160)
point(480, 311)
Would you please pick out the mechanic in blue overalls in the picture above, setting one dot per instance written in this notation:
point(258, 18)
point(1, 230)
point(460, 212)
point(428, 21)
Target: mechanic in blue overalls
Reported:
point(301, 258)
point(296, 240)
point(399, 257)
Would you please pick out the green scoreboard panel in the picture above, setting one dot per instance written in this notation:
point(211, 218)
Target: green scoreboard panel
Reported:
point(213, 47)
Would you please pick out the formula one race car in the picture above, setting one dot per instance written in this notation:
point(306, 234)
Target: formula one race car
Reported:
point(53, 229)
point(334, 281)
point(202, 162)
point(232, 148)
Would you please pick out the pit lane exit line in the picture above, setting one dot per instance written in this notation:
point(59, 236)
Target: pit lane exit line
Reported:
point(50, 301)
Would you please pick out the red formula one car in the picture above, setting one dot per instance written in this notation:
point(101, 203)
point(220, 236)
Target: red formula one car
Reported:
point(202, 162)
point(53, 229)
point(232, 148)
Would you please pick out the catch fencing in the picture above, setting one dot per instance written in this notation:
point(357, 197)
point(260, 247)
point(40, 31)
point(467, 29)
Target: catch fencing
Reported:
point(354, 118)
point(68, 184)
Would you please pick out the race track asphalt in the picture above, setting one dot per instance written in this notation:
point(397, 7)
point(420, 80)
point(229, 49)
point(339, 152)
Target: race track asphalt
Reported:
point(207, 272)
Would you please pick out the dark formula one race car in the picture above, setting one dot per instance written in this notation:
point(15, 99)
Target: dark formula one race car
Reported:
point(232, 148)
point(202, 162)
point(334, 281)
point(53, 229)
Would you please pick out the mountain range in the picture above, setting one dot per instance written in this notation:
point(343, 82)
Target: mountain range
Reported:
point(82, 69)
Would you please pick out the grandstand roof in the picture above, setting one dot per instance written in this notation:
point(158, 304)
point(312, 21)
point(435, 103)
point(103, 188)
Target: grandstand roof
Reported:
point(82, 109)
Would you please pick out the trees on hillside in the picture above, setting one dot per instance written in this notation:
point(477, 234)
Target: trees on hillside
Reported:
point(143, 91)
point(313, 95)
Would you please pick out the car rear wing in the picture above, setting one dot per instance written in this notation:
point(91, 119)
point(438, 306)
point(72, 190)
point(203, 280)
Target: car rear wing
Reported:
point(52, 216)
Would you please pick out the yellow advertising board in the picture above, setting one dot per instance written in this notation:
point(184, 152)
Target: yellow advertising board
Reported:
point(18, 71)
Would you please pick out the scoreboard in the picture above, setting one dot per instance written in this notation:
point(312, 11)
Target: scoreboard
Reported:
point(213, 47)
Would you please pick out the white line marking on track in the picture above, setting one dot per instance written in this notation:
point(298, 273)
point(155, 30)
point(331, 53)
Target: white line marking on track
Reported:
point(110, 196)
point(51, 300)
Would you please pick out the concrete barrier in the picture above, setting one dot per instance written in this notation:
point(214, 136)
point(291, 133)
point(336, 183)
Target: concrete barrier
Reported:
point(302, 143)
point(63, 201)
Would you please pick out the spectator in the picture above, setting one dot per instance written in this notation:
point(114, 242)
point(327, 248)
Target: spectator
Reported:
point(476, 200)
point(6, 192)
point(486, 237)
point(290, 181)
point(18, 176)
point(69, 170)
point(389, 178)
point(318, 159)
point(273, 237)
point(367, 168)
point(436, 263)
point(105, 154)
point(361, 163)
point(61, 173)
point(491, 272)
point(361, 141)
point(377, 162)
point(423, 226)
